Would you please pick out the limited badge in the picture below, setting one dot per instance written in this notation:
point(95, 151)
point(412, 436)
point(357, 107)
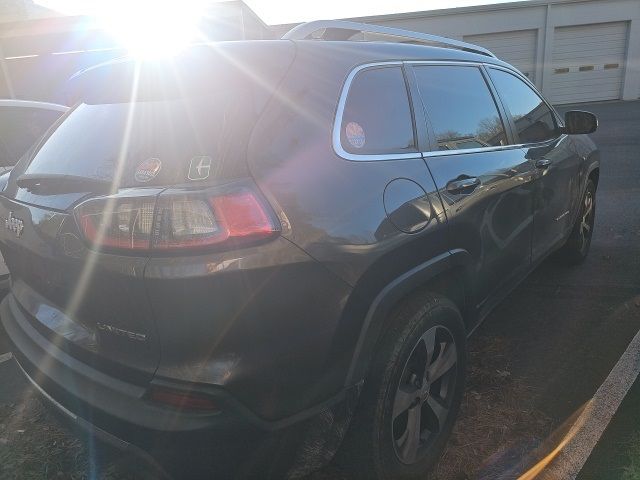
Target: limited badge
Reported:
point(148, 170)
point(200, 168)
point(355, 134)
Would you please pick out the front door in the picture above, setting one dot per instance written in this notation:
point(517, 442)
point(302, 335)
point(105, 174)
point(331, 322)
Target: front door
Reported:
point(556, 161)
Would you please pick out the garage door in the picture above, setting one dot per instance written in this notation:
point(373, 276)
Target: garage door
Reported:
point(588, 62)
point(517, 48)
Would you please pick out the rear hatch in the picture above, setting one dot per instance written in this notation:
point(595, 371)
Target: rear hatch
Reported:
point(79, 212)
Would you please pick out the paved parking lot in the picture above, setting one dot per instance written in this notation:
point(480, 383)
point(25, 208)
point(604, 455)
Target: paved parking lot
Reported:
point(535, 361)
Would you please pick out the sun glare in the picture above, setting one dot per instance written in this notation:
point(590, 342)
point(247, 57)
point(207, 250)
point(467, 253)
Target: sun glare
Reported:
point(149, 28)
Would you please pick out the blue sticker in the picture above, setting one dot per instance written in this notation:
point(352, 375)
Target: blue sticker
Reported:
point(355, 134)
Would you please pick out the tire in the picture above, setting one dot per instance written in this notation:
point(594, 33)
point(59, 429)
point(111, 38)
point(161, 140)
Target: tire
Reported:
point(575, 251)
point(427, 334)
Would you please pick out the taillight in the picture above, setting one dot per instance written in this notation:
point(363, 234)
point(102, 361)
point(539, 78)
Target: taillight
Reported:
point(176, 221)
point(120, 223)
point(184, 222)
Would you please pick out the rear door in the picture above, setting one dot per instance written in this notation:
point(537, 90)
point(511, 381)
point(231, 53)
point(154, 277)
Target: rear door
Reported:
point(557, 183)
point(485, 182)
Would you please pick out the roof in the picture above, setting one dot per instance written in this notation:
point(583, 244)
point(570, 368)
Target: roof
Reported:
point(355, 53)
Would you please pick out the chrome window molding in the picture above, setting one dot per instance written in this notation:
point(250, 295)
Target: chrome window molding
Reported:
point(498, 148)
point(462, 151)
point(337, 125)
point(541, 144)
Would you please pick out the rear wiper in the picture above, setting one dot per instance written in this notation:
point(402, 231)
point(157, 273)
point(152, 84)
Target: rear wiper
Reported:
point(59, 183)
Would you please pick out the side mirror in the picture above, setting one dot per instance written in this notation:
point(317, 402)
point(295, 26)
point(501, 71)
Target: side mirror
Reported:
point(578, 122)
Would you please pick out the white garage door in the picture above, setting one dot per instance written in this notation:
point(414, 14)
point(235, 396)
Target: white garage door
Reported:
point(588, 62)
point(517, 48)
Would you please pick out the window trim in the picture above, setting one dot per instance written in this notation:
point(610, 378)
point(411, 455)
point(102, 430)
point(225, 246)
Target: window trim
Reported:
point(502, 110)
point(337, 124)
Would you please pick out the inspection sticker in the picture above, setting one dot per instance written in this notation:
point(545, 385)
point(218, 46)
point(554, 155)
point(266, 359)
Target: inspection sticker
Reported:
point(148, 170)
point(355, 134)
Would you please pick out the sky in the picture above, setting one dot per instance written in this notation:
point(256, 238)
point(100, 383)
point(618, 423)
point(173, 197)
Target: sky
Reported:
point(287, 11)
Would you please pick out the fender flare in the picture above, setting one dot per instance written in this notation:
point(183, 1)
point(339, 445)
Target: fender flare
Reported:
point(385, 301)
point(593, 164)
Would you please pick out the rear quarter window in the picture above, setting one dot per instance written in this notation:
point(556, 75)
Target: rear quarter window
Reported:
point(377, 118)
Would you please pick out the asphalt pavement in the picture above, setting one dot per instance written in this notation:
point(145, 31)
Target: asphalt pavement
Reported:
point(571, 325)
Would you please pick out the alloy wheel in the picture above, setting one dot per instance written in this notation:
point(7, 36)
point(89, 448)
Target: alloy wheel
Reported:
point(586, 222)
point(424, 395)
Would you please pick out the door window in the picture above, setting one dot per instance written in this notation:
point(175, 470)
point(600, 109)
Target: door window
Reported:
point(377, 116)
point(460, 107)
point(533, 119)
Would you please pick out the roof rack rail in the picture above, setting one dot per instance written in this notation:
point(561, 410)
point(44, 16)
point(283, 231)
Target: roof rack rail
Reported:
point(343, 30)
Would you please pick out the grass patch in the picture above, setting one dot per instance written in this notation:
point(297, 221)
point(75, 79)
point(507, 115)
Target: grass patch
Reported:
point(34, 446)
point(498, 424)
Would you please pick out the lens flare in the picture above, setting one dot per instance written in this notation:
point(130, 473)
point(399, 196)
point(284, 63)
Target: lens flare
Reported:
point(152, 28)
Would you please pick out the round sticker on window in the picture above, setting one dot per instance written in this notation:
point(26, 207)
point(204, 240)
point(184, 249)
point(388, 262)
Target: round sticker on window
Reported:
point(355, 134)
point(148, 170)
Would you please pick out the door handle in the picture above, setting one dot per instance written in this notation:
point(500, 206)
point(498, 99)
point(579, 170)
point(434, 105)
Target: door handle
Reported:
point(543, 163)
point(463, 185)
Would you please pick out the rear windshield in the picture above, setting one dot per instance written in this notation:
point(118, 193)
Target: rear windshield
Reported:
point(147, 143)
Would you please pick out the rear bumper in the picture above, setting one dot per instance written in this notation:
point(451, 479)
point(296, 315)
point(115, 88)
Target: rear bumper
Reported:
point(86, 428)
point(231, 442)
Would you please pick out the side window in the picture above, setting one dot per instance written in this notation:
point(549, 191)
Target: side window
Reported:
point(20, 128)
point(534, 121)
point(460, 107)
point(377, 117)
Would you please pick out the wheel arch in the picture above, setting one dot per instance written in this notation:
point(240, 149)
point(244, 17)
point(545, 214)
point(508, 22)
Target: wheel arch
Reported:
point(594, 174)
point(446, 274)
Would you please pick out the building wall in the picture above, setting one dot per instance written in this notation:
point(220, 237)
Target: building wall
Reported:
point(37, 56)
point(543, 17)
